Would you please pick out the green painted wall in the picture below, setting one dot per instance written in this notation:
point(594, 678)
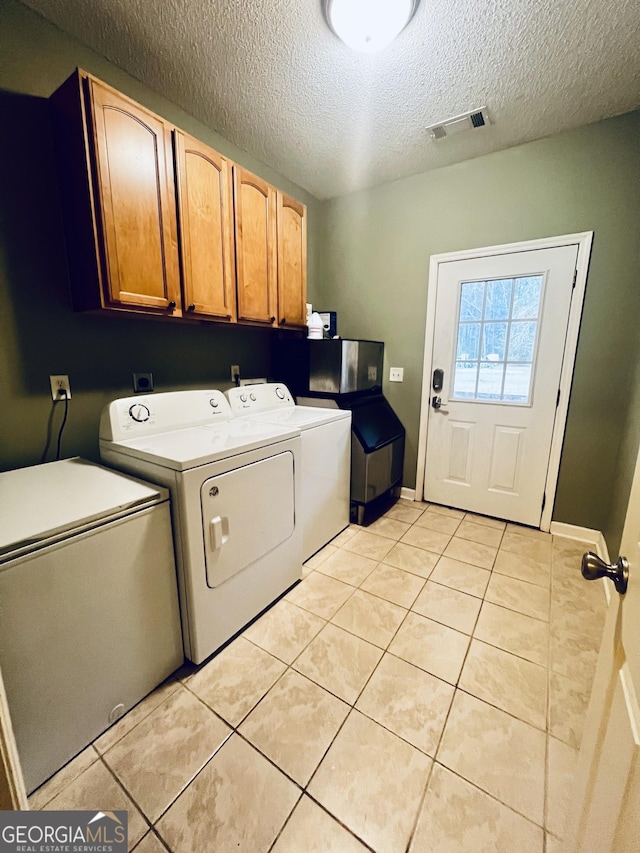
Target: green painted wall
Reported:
point(39, 334)
point(375, 275)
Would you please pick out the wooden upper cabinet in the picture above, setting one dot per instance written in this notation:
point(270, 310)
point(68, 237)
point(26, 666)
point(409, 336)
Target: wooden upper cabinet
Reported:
point(255, 234)
point(117, 193)
point(292, 262)
point(156, 222)
point(205, 216)
point(134, 185)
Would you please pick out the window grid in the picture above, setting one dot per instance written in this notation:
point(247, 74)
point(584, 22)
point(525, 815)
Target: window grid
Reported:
point(482, 321)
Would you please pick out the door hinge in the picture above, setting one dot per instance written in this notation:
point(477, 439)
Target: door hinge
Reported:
point(544, 500)
point(558, 399)
point(575, 278)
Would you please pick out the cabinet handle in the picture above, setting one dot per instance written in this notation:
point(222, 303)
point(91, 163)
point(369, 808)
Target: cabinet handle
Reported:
point(171, 306)
point(283, 322)
point(272, 319)
point(191, 307)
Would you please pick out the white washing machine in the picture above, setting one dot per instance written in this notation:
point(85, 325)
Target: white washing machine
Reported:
point(89, 617)
point(326, 456)
point(233, 483)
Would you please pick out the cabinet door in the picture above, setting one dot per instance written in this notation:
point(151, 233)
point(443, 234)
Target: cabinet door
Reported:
point(206, 231)
point(134, 184)
point(292, 262)
point(255, 232)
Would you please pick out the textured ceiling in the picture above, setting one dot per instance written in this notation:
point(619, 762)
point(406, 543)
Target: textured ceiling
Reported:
point(269, 76)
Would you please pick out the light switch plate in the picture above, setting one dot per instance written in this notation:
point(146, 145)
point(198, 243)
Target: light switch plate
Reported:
point(396, 374)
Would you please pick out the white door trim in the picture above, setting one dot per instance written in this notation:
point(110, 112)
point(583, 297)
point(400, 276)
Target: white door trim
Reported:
point(584, 241)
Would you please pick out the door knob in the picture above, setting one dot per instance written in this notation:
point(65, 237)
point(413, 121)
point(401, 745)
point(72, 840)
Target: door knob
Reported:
point(436, 403)
point(593, 568)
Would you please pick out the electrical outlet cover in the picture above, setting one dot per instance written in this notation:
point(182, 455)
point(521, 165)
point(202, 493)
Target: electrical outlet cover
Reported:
point(142, 382)
point(59, 382)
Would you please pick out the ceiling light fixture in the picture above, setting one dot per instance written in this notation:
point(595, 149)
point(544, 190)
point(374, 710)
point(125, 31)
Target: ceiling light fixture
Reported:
point(368, 25)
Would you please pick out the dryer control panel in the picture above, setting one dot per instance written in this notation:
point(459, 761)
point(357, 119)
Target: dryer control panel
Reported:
point(131, 417)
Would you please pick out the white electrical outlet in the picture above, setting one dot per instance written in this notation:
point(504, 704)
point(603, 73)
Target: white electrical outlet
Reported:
point(59, 384)
point(235, 371)
point(396, 374)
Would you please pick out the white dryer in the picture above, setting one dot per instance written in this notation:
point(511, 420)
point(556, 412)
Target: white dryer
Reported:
point(323, 504)
point(232, 483)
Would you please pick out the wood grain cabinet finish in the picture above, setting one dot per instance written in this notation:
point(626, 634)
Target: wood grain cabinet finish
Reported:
point(256, 256)
point(292, 262)
point(124, 186)
point(156, 222)
point(205, 215)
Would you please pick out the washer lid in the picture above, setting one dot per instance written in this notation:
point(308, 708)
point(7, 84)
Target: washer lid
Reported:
point(302, 417)
point(182, 449)
point(43, 503)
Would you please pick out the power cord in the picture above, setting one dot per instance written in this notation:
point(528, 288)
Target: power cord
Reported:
point(43, 458)
point(63, 424)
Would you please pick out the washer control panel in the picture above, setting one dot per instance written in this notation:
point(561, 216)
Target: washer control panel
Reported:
point(264, 397)
point(131, 417)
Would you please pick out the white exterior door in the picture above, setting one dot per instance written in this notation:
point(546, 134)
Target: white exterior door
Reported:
point(605, 813)
point(498, 345)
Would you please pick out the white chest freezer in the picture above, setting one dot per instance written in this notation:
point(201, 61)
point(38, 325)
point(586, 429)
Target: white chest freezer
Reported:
point(89, 616)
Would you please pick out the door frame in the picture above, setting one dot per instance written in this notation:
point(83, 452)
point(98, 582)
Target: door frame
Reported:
point(13, 795)
point(584, 241)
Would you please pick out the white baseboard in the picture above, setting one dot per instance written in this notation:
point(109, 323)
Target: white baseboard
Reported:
point(583, 534)
point(408, 494)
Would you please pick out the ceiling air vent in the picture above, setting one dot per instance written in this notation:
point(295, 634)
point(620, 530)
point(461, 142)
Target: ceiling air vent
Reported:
point(458, 124)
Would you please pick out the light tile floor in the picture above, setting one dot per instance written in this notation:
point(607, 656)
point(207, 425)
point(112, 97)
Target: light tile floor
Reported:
point(422, 689)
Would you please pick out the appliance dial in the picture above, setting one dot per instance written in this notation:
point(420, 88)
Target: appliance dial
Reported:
point(280, 393)
point(243, 398)
point(214, 403)
point(252, 397)
point(139, 412)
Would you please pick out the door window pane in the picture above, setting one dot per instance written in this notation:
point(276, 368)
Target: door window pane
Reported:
point(516, 383)
point(464, 382)
point(522, 340)
point(490, 381)
point(496, 342)
point(468, 340)
point(498, 299)
point(526, 297)
point(471, 299)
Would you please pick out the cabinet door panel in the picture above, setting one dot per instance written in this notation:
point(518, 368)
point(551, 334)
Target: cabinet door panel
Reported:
point(205, 207)
point(134, 184)
point(292, 262)
point(255, 218)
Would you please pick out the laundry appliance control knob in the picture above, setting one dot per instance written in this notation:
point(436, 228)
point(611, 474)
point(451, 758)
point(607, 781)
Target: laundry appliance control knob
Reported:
point(280, 392)
point(139, 412)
